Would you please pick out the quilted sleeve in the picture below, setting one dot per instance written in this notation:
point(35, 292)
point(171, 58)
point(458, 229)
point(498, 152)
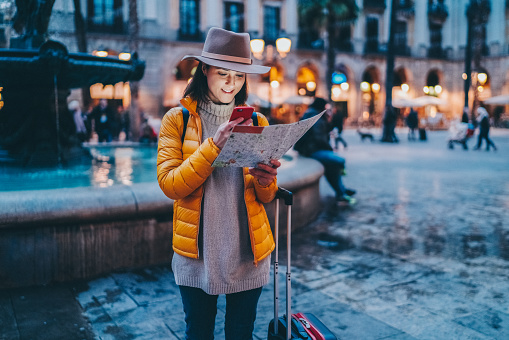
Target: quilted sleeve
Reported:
point(178, 178)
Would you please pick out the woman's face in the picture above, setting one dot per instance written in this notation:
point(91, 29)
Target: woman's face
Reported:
point(223, 84)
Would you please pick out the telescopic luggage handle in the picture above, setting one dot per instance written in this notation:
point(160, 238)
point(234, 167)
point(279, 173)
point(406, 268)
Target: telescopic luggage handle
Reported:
point(287, 196)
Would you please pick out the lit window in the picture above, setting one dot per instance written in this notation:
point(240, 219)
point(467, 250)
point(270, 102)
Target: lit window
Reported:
point(189, 20)
point(234, 16)
point(271, 23)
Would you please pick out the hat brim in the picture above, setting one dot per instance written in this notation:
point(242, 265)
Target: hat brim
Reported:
point(244, 68)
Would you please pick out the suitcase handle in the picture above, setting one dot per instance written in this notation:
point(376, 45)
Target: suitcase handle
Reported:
point(287, 196)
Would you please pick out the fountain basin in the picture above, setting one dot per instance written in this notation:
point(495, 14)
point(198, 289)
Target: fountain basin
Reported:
point(36, 128)
point(75, 233)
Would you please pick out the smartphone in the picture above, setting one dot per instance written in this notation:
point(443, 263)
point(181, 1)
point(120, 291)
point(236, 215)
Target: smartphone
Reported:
point(245, 112)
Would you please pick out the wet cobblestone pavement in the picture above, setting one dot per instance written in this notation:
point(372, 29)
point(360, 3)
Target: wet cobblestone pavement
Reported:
point(426, 249)
point(424, 254)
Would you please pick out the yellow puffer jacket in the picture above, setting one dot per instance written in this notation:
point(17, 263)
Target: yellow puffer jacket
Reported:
point(182, 168)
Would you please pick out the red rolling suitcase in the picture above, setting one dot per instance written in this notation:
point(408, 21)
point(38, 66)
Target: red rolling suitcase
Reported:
point(303, 325)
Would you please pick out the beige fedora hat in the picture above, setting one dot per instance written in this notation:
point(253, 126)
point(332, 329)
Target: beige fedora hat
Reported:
point(228, 50)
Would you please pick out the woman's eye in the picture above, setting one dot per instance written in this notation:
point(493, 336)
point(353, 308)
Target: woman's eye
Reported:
point(222, 74)
point(240, 76)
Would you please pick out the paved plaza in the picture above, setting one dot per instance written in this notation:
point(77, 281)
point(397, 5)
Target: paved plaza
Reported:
point(424, 254)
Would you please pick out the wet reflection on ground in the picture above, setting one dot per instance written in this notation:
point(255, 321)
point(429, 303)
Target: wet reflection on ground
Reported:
point(428, 240)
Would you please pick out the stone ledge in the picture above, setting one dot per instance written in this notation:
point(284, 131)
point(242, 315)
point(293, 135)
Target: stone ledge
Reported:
point(67, 234)
point(119, 202)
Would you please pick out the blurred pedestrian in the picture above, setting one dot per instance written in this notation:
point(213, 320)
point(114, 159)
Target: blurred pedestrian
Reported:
point(315, 144)
point(484, 129)
point(123, 123)
point(412, 121)
point(147, 131)
point(337, 122)
point(104, 119)
point(221, 236)
point(79, 120)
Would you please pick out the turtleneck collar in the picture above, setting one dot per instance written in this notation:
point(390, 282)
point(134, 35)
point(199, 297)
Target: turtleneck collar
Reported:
point(215, 113)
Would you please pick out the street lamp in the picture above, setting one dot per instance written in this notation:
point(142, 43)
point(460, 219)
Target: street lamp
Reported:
point(283, 45)
point(478, 12)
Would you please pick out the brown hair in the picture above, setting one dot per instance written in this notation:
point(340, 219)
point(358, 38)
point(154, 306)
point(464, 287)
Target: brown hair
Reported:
point(198, 88)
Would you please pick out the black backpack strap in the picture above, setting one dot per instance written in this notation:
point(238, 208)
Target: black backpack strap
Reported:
point(254, 117)
point(185, 118)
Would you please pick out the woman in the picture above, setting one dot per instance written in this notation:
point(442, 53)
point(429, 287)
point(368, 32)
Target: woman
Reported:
point(484, 129)
point(221, 235)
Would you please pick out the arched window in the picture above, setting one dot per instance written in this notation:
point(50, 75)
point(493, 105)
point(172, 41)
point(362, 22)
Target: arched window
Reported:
point(185, 69)
point(340, 83)
point(275, 76)
point(370, 87)
point(433, 87)
point(306, 81)
point(400, 83)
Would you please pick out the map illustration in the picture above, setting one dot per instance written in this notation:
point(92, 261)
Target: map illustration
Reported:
point(250, 145)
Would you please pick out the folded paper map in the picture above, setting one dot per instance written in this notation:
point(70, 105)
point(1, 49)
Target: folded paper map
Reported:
point(250, 145)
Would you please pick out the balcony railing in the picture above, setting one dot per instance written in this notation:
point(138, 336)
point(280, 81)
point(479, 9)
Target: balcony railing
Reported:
point(406, 8)
point(436, 52)
point(375, 5)
point(187, 36)
point(437, 13)
point(371, 45)
point(118, 27)
point(309, 39)
point(345, 46)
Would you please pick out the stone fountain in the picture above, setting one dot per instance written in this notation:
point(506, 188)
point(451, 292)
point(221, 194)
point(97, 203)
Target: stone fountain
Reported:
point(36, 128)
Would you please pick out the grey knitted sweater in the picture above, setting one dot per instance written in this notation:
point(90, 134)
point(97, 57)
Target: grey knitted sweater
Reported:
point(225, 263)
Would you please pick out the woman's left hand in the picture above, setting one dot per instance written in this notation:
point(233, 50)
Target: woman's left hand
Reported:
point(264, 173)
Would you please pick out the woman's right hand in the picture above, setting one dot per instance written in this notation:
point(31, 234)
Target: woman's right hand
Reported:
point(225, 130)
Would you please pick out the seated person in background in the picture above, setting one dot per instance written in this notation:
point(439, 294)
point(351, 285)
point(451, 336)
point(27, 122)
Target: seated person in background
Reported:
point(315, 144)
point(148, 134)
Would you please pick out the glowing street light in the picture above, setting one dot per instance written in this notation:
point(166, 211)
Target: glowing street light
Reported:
point(364, 86)
point(311, 86)
point(124, 56)
point(257, 47)
point(101, 52)
point(283, 45)
point(482, 77)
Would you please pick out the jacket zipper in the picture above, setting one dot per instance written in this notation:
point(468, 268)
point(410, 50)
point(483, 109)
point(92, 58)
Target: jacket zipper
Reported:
point(198, 121)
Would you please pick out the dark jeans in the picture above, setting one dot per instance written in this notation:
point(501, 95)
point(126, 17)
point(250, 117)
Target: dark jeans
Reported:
point(200, 309)
point(340, 139)
point(104, 135)
point(488, 141)
point(334, 166)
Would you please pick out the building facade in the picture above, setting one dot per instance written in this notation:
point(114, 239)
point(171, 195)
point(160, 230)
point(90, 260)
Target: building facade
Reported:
point(430, 41)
